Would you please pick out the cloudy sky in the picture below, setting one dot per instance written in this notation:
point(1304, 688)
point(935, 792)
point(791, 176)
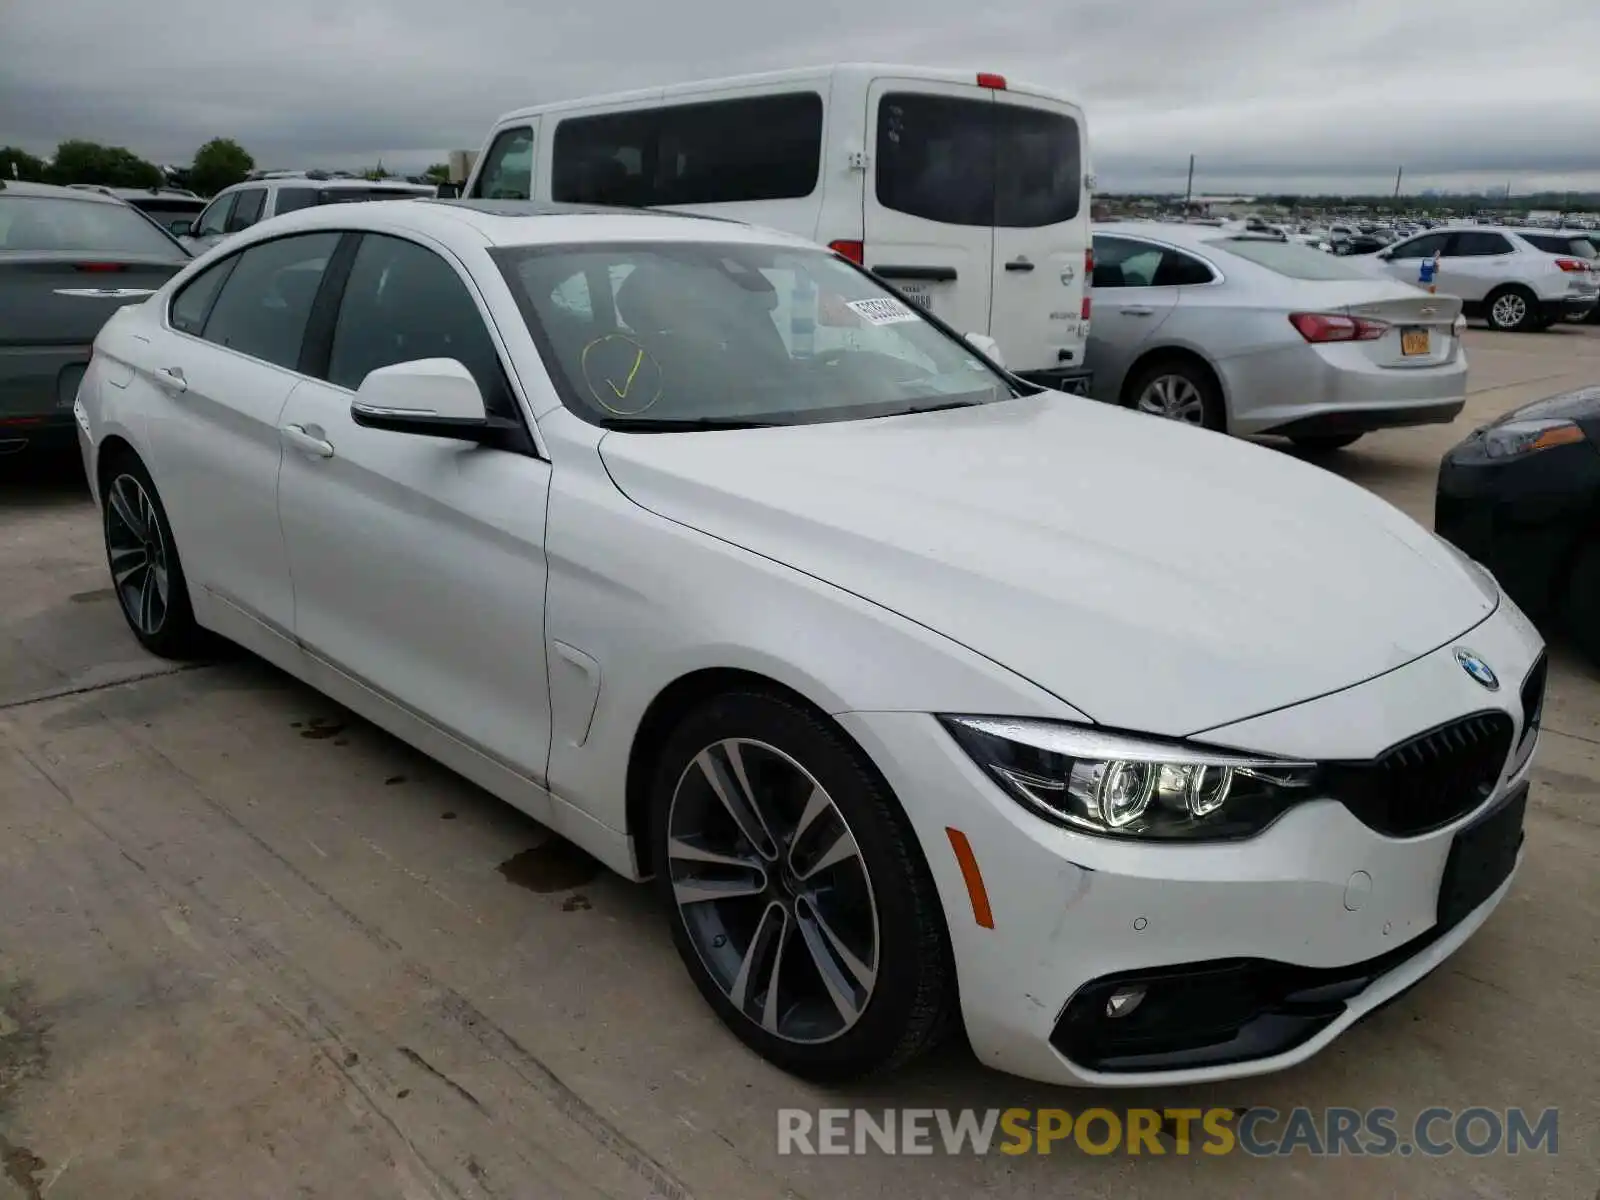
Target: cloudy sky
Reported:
point(1300, 95)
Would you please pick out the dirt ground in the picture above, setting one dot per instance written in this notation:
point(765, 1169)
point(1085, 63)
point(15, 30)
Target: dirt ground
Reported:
point(250, 947)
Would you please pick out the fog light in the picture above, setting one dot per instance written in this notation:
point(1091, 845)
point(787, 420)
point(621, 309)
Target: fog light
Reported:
point(1123, 1001)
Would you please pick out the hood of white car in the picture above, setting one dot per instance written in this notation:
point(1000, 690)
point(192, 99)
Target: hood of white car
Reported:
point(1156, 577)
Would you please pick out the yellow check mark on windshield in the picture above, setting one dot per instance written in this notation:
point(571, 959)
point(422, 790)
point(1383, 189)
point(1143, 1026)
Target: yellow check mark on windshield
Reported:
point(638, 360)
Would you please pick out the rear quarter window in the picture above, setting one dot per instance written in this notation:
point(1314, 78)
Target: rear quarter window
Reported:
point(1560, 243)
point(1289, 259)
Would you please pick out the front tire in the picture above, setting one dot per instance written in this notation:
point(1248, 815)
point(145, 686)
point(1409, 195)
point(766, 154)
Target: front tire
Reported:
point(800, 902)
point(146, 573)
point(1512, 309)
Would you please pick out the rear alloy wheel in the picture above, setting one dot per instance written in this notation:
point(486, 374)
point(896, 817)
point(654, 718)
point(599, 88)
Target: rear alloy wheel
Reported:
point(1513, 309)
point(800, 903)
point(1177, 391)
point(145, 572)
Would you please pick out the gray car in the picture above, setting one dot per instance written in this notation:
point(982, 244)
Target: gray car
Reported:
point(69, 258)
point(1251, 333)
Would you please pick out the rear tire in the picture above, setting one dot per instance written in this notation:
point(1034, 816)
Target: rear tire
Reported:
point(1512, 309)
point(146, 572)
point(1325, 445)
point(1178, 389)
point(832, 972)
point(1581, 608)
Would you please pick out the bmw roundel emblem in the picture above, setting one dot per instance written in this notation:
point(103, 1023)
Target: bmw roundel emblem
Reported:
point(1477, 668)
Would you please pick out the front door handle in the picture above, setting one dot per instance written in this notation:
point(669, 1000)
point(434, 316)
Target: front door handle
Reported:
point(1137, 310)
point(297, 437)
point(1019, 264)
point(171, 378)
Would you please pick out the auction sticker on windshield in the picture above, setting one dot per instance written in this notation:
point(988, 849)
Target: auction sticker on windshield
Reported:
point(882, 311)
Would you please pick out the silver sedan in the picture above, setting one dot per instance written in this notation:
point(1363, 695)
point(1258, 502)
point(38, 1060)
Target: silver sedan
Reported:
point(1249, 334)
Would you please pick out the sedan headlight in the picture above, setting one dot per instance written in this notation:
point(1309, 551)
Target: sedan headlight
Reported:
point(1517, 438)
point(1126, 786)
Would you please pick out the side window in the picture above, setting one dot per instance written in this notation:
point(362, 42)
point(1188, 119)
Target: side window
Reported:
point(935, 158)
point(1038, 167)
point(1423, 247)
point(1123, 262)
point(1180, 270)
point(1472, 244)
point(247, 209)
point(403, 302)
point(726, 151)
point(214, 220)
point(607, 159)
point(266, 301)
point(507, 172)
point(293, 199)
point(192, 305)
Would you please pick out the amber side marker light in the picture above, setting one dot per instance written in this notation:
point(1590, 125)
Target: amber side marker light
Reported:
point(968, 862)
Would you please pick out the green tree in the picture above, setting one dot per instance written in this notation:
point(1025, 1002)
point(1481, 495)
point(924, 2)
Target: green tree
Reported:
point(78, 161)
point(220, 163)
point(438, 173)
point(16, 163)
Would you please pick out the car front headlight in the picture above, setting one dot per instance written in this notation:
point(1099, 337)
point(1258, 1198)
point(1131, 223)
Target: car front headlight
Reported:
point(1125, 786)
point(1516, 439)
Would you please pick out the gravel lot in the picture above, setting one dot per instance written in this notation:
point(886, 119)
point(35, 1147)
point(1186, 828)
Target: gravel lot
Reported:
point(252, 947)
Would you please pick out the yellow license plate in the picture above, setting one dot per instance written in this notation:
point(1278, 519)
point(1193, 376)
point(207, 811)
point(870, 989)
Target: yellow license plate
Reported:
point(1413, 341)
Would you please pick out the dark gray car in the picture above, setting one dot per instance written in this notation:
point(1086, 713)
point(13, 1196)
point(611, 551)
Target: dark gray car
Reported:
point(69, 258)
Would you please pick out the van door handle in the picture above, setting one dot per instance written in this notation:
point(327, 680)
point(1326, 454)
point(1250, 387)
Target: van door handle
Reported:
point(297, 437)
point(1019, 264)
point(1137, 310)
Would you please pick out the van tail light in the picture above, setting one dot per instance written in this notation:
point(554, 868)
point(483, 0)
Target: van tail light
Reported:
point(987, 79)
point(1331, 327)
point(856, 252)
point(1572, 265)
point(100, 267)
point(1088, 282)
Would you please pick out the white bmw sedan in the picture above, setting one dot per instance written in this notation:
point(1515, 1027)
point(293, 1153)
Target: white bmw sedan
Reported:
point(922, 694)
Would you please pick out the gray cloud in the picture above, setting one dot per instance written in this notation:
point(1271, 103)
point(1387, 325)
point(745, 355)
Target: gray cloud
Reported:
point(1298, 96)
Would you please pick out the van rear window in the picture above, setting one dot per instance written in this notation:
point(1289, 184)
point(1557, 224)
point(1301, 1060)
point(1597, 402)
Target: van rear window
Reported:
point(719, 152)
point(978, 161)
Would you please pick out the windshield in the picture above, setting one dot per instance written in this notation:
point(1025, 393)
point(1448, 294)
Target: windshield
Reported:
point(661, 336)
point(62, 225)
point(1290, 259)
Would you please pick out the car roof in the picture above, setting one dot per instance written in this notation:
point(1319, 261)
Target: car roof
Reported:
point(1177, 233)
point(521, 223)
point(19, 187)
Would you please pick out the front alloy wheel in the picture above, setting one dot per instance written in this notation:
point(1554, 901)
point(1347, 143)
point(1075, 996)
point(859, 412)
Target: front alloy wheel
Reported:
point(801, 905)
point(772, 889)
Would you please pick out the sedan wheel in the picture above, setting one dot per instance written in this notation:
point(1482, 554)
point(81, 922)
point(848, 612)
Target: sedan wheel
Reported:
point(146, 574)
point(1175, 397)
point(767, 875)
point(801, 903)
point(138, 555)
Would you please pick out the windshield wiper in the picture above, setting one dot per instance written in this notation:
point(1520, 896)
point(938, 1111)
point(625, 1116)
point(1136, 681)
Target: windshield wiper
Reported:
point(932, 408)
point(672, 425)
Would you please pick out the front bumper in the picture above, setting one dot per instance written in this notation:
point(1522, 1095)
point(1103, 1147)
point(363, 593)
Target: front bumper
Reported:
point(1318, 890)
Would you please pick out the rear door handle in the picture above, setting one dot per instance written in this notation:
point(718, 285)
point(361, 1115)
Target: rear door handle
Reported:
point(297, 437)
point(1137, 310)
point(1019, 264)
point(171, 378)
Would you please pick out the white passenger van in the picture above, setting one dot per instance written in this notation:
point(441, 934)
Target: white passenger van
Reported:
point(968, 194)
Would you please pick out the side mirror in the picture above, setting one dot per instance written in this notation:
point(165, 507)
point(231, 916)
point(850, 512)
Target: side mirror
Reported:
point(986, 346)
point(433, 397)
point(1386, 255)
